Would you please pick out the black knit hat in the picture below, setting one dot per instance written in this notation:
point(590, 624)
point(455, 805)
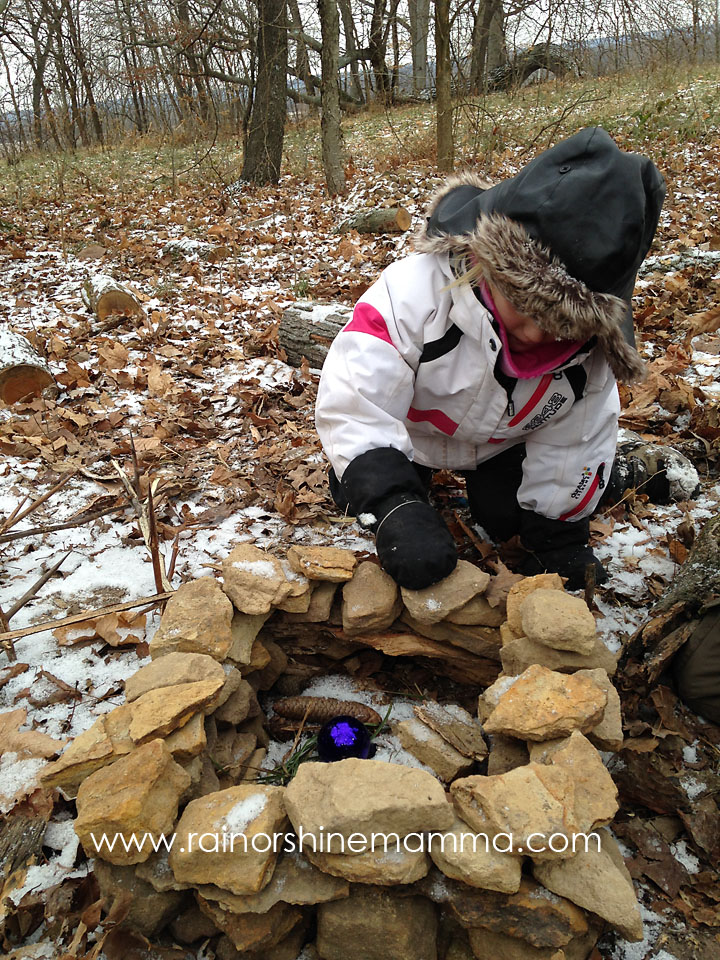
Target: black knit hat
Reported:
point(563, 239)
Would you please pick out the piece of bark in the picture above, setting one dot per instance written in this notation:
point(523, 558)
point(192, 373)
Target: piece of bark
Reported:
point(308, 329)
point(106, 296)
point(382, 220)
point(23, 372)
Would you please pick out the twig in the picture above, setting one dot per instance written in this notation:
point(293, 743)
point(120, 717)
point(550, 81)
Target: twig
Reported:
point(590, 572)
point(16, 518)
point(143, 520)
point(154, 546)
point(8, 644)
point(29, 594)
point(80, 617)
point(11, 519)
point(68, 525)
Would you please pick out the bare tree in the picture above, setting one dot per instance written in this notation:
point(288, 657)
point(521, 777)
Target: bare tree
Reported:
point(332, 148)
point(266, 130)
point(443, 85)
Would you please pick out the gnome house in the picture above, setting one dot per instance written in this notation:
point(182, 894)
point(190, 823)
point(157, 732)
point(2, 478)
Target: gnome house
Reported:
point(223, 808)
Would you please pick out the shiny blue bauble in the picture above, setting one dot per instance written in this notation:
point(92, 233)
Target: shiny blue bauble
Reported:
point(344, 737)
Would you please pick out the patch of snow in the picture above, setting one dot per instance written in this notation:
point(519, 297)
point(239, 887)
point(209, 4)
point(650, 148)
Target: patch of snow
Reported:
point(244, 812)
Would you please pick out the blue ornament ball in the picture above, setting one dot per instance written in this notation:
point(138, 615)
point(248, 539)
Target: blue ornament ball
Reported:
point(344, 737)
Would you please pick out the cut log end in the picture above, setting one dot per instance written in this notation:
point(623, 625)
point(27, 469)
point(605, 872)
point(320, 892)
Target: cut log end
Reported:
point(384, 220)
point(116, 303)
point(25, 383)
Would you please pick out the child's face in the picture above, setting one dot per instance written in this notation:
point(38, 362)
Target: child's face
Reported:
point(523, 333)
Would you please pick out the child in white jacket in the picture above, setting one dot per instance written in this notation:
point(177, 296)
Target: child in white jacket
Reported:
point(494, 351)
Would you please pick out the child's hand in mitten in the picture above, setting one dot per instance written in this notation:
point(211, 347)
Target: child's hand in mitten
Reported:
point(414, 545)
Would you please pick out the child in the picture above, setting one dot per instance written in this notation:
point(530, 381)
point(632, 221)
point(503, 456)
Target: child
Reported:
point(494, 351)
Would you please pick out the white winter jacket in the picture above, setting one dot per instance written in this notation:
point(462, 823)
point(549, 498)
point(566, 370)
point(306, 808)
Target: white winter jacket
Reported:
point(414, 370)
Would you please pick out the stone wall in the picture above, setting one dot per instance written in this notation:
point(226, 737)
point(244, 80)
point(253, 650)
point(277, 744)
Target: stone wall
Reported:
point(464, 873)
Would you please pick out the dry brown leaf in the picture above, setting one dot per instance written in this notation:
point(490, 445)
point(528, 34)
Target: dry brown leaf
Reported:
point(26, 743)
point(159, 382)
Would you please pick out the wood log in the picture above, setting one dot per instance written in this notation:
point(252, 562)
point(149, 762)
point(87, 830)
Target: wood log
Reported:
point(189, 247)
point(541, 56)
point(308, 329)
point(23, 372)
point(106, 296)
point(382, 220)
point(695, 586)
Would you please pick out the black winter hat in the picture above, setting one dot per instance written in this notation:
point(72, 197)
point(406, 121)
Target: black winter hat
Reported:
point(563, 239)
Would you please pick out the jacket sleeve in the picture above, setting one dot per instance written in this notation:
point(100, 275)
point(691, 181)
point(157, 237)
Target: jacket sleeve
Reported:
point(367, 382)
point(568, 460)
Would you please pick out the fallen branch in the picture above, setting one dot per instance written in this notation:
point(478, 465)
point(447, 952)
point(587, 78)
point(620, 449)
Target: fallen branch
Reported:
point(67, 525)
point(16, 518)
point(81, 617)
point(29, 594)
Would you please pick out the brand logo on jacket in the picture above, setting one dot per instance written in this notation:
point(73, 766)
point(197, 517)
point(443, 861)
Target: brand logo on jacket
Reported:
point(584, 481)
point(550, 409)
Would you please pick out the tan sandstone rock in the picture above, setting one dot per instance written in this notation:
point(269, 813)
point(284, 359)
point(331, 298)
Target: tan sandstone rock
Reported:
point(88, 752)
point(196, 620)
point(189, 740)
point(521, 590)
point(558, 620)
point(478, 612)
point(480, 640)
point(321, 602)
point(534, 799)
point(519, 653)
point(364, 796)
point(254, 580)
point(138, 794)
point(608, 733)
point(173, 669)
point(506, 753)
point(467, 853)
point(432, 750)
point(595, 791)
point(370, 600)
point(533, 914)
point(294, 880)
point(149, 910)
point(244, 629)
point(499, 946)
point(441, 599)
point(542, 704)
point(322, 563)
point(253, 932)
point(597, 880)
point(230, 832)
point(378, 866)
point(241, 704)
point(158, 712)
point(374, 924)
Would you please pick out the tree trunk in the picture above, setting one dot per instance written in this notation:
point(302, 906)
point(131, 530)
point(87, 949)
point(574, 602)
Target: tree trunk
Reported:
point(419, 29)
point(307, 330)
point(496, 46)
point(302, 62)
point(23, 372)
point(443, 86)
point(332, 145)
point(351, 48)
point(266, 128)
point(377, 46)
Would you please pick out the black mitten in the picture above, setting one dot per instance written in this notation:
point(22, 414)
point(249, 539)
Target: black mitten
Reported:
point(559, 546)
point(388, 497)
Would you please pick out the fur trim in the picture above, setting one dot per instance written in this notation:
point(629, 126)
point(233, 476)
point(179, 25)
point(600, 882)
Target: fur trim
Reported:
point(537, 283)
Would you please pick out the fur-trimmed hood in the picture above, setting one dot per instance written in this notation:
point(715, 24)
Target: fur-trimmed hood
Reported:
point(564, 249)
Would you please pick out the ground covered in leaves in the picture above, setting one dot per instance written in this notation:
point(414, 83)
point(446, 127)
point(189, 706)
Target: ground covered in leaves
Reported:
point(194, 402)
